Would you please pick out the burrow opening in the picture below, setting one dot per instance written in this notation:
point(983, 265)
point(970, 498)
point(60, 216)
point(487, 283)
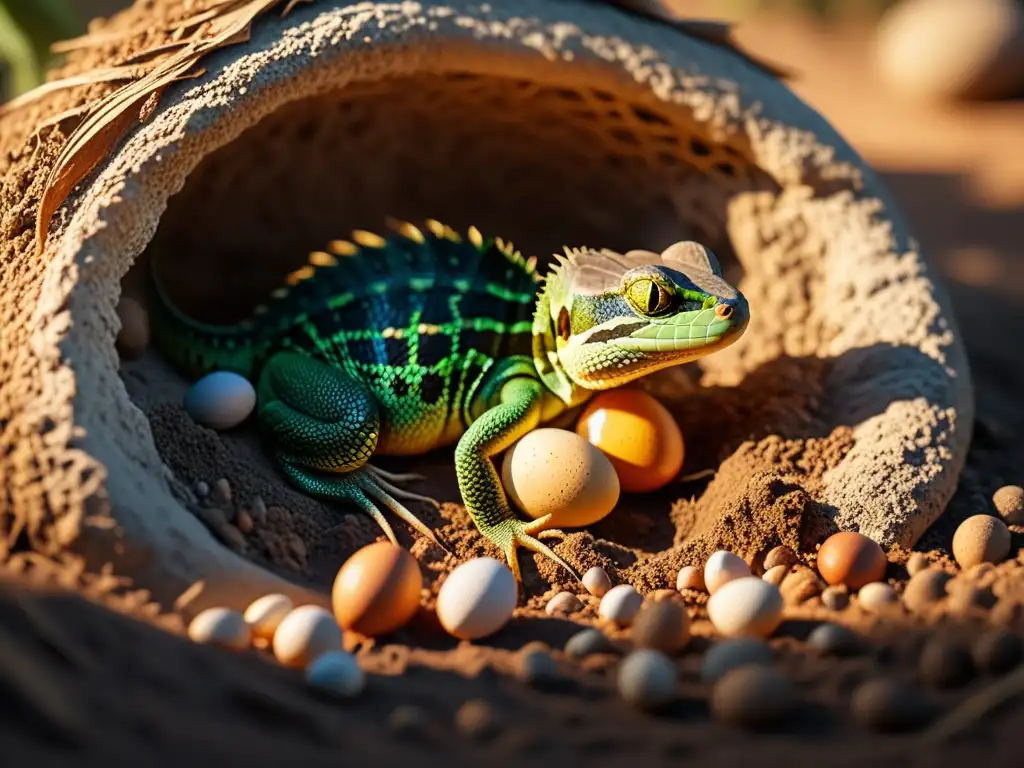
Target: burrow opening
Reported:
point(541, 165)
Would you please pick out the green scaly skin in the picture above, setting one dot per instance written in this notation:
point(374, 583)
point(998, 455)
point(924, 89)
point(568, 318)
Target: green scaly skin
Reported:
point(428, 338)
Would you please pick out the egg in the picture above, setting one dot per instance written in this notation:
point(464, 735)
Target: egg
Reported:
point(377, 590)
point(852, 559)
point(220, 626)
point(638, 435)
point(557, 472)
point(620, 605)
point(266, 613)
point(746, 607)
point(305, 634)
point(690, 578)
point(877, 597)
point(477, 599)
point(220, 400)
point(721, 568)
point(596, 581)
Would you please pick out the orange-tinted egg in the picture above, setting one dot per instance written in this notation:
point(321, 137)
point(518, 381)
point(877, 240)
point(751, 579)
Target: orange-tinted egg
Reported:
point(638, 435)
point(852, 559)
point(377, 590)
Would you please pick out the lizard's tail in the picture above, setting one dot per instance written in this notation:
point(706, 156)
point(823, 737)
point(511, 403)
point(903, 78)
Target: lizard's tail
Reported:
point(194, 347)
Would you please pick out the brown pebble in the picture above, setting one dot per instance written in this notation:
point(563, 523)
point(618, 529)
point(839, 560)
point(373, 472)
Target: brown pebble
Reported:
point(997, 652)
point(213, 517)
point(243, 521)
point(476, 719)
point(660, 595)
point(945, 664)
point(259, 510)
point(133, 338)
point(279, 516)
point(836, 597)
point(852, 559)
point(888, 704)
point(965, 598)
point(563, 604)
point(981, 571)
point(916, 563)
point(233, 537)
point(690, 577)
point(800, 585)
point(925, 588)
point(781, 555)
point(202, 489)
point(222, 492)
point(1009, 503)
point(663, 626)
point(835, 639)
point(1008, 612)
point(981, 539)
point(752, 696)
point(776, 575)
point(296, 546)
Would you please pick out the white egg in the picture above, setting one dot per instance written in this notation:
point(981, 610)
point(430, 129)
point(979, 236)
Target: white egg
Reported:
point(647, 678)
point(220, 400)
point(336, 672)
point(620, 605)
point(721, 568)
point(477, 599)
point(876, 596)
point(265, 614)
point(220, 626)
point(746, 607)
point(306, 633)
point(596, 581)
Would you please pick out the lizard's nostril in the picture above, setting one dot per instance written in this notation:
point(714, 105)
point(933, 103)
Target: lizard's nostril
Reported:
point(723, 310)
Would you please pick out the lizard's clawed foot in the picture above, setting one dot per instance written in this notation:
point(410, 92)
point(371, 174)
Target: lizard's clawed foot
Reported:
point(389, 481)
point(512, 533)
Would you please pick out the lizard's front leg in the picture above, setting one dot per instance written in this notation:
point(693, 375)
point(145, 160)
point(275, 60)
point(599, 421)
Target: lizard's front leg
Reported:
point(323, 426)
point(492, 432)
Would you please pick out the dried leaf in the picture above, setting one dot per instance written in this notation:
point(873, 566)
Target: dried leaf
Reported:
point(108, 75)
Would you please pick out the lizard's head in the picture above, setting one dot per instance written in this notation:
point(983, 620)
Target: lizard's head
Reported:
point(605, 319)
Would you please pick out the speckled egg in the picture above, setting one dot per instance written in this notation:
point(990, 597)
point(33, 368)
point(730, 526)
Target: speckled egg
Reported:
point(852, 559)
point(220, 400)
point(477, 599)
point(638, 435)
point(377, 590)
point(723, 567)
point(220, 626)
point(304, 634)
point(266, 613)
point(557, 472)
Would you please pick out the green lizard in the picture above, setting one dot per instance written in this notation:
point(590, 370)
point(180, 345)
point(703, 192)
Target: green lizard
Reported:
point(428, 338)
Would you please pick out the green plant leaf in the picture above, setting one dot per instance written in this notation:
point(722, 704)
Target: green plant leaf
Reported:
point(17, 56)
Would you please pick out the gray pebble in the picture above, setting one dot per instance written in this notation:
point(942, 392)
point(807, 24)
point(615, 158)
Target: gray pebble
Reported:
point(836, 597)
point(202, 489)
point(727, 655)
point(753, 696)
point(835, 640)
point(537, 667)
point(887, 704)
point(587, 642)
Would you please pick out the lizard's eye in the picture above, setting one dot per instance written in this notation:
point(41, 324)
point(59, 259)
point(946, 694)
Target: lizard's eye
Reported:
point(648, 297)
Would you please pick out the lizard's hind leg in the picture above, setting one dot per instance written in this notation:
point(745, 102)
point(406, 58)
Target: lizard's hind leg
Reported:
point(323, 426)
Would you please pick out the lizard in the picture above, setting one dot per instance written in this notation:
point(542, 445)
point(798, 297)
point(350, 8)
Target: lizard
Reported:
point(431, 338)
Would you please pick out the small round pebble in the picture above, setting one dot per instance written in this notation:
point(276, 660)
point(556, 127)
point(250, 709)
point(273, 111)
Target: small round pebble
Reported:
point(780, 555)
point(888, 704)
point(537, 667)
point(916, 563)
point(876, 596)
point(690, 578)
point(746, 607)
point(663, 626)
point(596, 581)
point(477, 719)
point(998, 651)
point(306, 633)
point(835, 640)
point(407, 721)
point(776, 575)
point(220, 400)
point(925, 588)
point(1009, 503)
point(981, 539)
point(620, 605)
point(133, 338)
point(836, 597)
point(586, 642)
point(266, 613)
point(800, 585)
point(477, 599)
point(336, 672)
point(722, 657)
point(945, 664)
point(222, 627)
point(852, 559)
point(968, 598)
point(563, 604)
point(202, 489)
point(723, 567)
point(753, 696)
point(647, 678)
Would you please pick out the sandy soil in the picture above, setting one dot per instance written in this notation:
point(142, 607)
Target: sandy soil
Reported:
point(85, 685)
